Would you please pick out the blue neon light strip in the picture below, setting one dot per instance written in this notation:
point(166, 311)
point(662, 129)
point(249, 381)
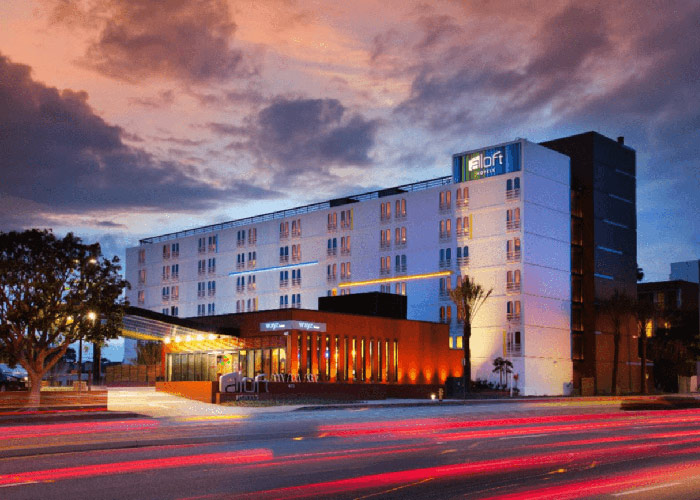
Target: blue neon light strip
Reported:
point(275, 268)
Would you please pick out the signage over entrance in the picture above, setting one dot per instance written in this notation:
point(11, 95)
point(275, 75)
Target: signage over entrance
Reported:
point(292, 324)
point(486, 163)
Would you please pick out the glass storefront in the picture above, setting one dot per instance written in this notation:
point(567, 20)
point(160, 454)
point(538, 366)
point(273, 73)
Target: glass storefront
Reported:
point(205, 366)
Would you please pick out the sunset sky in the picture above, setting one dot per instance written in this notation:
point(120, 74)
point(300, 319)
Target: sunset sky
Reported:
point(121, 119)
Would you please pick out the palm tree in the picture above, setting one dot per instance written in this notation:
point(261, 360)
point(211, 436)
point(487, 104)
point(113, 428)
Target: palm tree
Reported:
point(617, 308)
point(469, 296)
point(503, 367)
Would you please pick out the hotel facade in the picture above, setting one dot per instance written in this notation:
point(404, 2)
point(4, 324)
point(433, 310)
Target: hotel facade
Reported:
point(504, 217)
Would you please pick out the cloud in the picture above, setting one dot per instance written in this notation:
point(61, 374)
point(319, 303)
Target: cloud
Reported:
point(311, 135)
point(58, 154)
point(184, 39)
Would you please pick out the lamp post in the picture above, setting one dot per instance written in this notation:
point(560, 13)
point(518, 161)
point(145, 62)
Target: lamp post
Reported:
point(91, 316)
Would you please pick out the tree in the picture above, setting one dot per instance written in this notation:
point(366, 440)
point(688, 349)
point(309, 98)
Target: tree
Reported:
point(469, 296)
point(148, 353)
point(503, 367)
point(640, 273)
point(617, 308)
point(54, 292)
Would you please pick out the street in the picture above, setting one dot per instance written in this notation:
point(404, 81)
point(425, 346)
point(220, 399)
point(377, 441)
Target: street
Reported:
point(540, 449)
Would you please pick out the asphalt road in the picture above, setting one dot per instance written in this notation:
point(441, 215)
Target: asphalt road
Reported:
point(513, 450)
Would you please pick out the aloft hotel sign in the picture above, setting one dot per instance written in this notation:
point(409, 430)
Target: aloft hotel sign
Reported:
point(486, 163)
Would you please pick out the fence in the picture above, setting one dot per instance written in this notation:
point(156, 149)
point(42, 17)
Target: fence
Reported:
point(133, 374)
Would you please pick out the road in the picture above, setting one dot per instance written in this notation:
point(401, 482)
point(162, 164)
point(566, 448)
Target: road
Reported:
point(536, 450)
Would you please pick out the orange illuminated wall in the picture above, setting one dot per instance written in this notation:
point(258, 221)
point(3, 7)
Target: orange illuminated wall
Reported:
point(424, 356)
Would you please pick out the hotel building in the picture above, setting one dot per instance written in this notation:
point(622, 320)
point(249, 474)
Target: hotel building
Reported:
point(504, 217)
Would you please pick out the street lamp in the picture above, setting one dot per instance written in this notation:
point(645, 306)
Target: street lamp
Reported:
point(92, 317)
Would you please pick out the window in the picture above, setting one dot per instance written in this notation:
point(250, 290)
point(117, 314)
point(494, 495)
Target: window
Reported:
point(331, 272)
point(462, 196)
point(577, 346)
point(142, 276)
point(201, 309)
point(240, 283)
point(445, 314)
point(445, 228)
point(513, 344)
point(251, 282)
point(213, 243)
point(513, 189)
point(211, 288)
point(513, 281)
point(240, 238)
point(284, 255)
point(332, 221)
point(296, 228)
point(385, 288)
point(385, 238)
point(252, 304)
point(142, 256)
point(240, 306)
point(165, 293)
point(400, 261)
point(175, 250)
point(173, 310)
point(296, 252)
point(445, 258)
point(166, 251)
point(166, 273)
point(201, 288)
point(211, 309)
point(142, 297)
point(284, 279)
point(165, 311)
point(513, 310)
point(400, 236)
point(463, 256)
point(252, 235)
point(175, 292)
point(296, 300)
point(332, 249)
point(296, 277)
point(384, 265)
point(513, 219)
point(463, 227)
point(445, 287)
point(175, 271)
point(346, 219)
point(400, 288)
point(513, 250)
point(385, 212)
point(284, 301)
point(345, 245)
point(400, 211)
point(202, 245)
point(445, 200)
point(284, 229)
point(576, 288)
point(211, 265)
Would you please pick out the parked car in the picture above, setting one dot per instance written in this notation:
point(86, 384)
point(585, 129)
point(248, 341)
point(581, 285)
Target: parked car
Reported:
point(10, 382)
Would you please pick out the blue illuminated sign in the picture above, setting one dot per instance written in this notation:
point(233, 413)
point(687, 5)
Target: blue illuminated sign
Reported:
point(486, 163)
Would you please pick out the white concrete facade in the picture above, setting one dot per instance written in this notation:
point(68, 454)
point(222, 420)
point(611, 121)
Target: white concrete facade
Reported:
point(535, 334)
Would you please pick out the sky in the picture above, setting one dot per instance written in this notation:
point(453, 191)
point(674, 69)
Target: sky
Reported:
point(122, 119)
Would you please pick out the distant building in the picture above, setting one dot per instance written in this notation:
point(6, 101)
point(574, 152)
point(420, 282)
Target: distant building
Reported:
point(551, 228)
point(687, 271)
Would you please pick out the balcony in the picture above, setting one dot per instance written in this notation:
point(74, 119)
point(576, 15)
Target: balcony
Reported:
point(239, 288)
point(445, 235)
point(252, 240)
point(202, 249)
point(212, 270)
point(513, 349)
point(332, 227)
point(385, 245)
point(240, 243)
point(446, 264)
point(201, 271)
point(240, 265)
point(400, 215)
point(385, 218)
point(513, 194)
point(513, 225)
point(401, 269)
point(252, 287)
point(166, 299)
point(296, 305)
point(284, 235)
point(296, 281)
point(462, 261)
point(296, 257)
point(513, 317)
point(445, 294)
point(463, 203)
point(296, 233)
point(344, 224)
point(213, 248)
point(200, 293)
point(284, 259)
point(384, 271)
point(513, 256)
point(251, 264)
point(284, 283)
point(445, 207)
point(211, 293)
point(166, 256)
point(400, 244)
point(331, 252)
point(462, 233)
point(331, 277)
point(513, 287)
point(344, 251)
point(175, 254)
